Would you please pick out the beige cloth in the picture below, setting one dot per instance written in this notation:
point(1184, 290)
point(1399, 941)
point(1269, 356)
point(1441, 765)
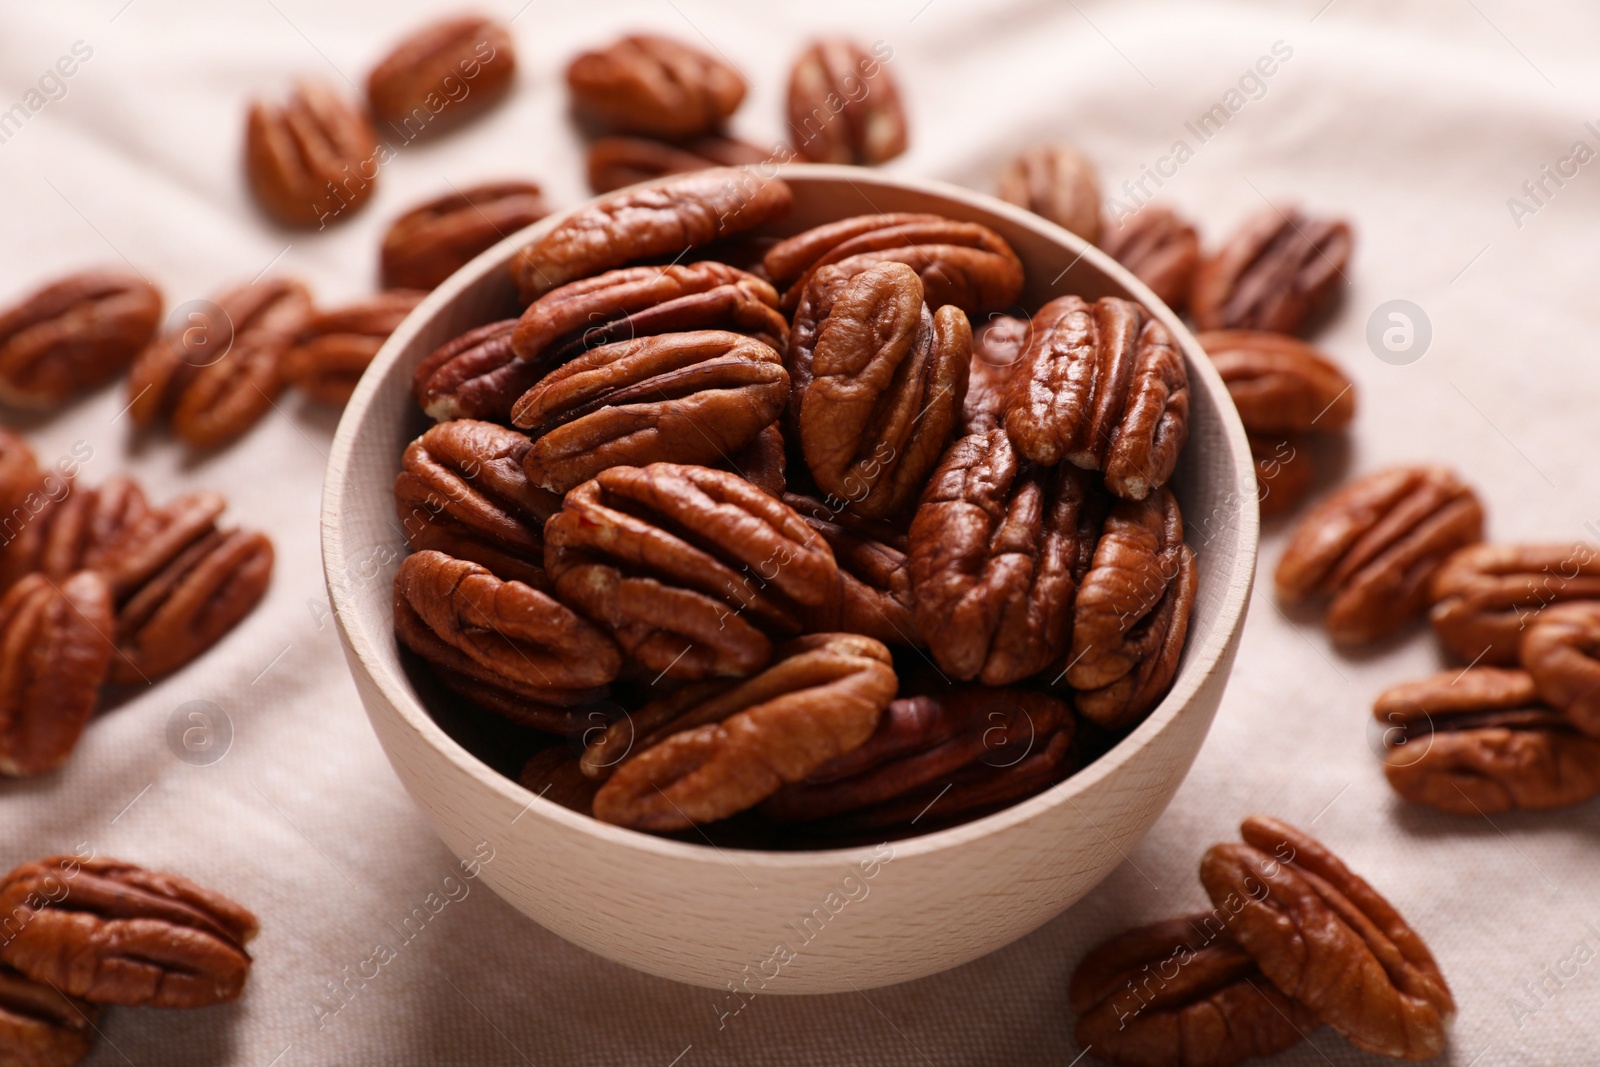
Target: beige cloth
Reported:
point(1417, 121)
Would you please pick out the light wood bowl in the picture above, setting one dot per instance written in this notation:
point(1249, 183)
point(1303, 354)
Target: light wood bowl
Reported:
point(790, 922)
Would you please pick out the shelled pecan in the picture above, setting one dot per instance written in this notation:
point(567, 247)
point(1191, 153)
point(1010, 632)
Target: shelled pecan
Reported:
point(1277, 272)
point(997, 347)
point(1279, 383)
point(1160, 247)
point(442, 75)
point(54, 653)
point(334, 348)
point(763, 462)
point(41, 1026)
point(19, 474)
point(553, 774)
point(655, 85)
point(875, 595)
point(436, 238)
point(76, 529)
point(1562, 652)
point(73, 335)
point(844, 107)
point(1283, 472)
point(1056, 182)
point(1486, 596)
point(474, 376)
point(313, 160)
point(613, 162)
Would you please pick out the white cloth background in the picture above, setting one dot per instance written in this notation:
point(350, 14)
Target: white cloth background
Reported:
point(1416, 120)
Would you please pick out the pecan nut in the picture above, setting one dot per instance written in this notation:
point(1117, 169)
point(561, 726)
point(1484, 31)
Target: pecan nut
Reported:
point(1329, 940)
point(1486, 596)
point(655, 85)
point(442, 75)
point(474, 376)
point(1279, 383)
point(334, 349)
point(1160, 247)
point(41, 1026)
point(114, 933)
point(1056, 182)
point(435, 239)
point(615, 162)
point(1373, 547)
point(821, 697)
point(763, 462)
point(77, 529)
point(875, 593)
point(1103, 386)
point(1284, 473)
point(997, 348)
point(1562, 652)
point(693, 571)
point(843, 105)
point(73, 335)
point(553, 775)
point(1278, 272)
point(311, 160)
point(19, 473)
point(54, 653)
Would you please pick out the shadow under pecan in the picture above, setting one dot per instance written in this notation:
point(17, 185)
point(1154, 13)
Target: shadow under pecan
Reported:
point(312, 160)
point(615, 162)
point(1180, 993)
point(214, 376)
point(1277, 272)
point(1284, 472)
point(73, 335)
point(1373, 547)
point(1480, 741)
point(693, 571)
point(435, 239)
point(334, 349)
point(997, 347)
point(661, 220)
point(40, 1026)
point(1102, 386)
point(1279, 383)
point(655, 85)
point(1562, 652)
point(1058, 183)
point(75, 530)
point(844, 106)
point(997, 548)
point(114, 933)
point(821, 697)
point(875, 593)
point(1485, 596)
point(1159, 247)
point(416, 87)
point(1329, 940)
point(474, 376)
point(55, 650)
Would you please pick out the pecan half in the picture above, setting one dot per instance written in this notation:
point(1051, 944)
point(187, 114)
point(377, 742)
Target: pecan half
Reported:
point(19, 473)
point(997, 347)
point(1486, 596)
point(54, 653)
point(312, 160)
point(1277, 272)
point(1180, 993)
point(613, 162)
point(114, 933)
point(843, 105)
point(76, 529)
point(649, 84)
point(214, 376)
point(1279, 383)
point(1373, 547)
point(692, 570)
point(1284, 473)
point(553, 774)
point(664, 219)
point(1057, 182)
point(73, 335)
point(875, 594)
point(1132, 612)
point(1160, 247)
point(435, 239)
point(41, 1026)
point(334, 349)
point(442, 75)
point(763, 462)
point(1329, 940)
point(997, 548)
point(1562, 652)
point(474, 376)
point(820, 698)
point(1479, 742)
point(1102, 386)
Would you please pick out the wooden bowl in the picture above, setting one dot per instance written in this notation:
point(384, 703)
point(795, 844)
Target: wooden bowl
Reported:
point(790, 922)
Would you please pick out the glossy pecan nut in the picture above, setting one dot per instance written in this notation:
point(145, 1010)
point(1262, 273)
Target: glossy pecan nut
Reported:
point(1480, 741)
point(997, 347)
point(334, 349)
point(1160, 247)
point(474, 376)
point(435, 239)
point(1284, 472)
point(1277, 272)
point(661, 220)
point(844, 107)
point(693, 397)
point(887, 380)
point(997, 548)
point(76, 529)
point(312, 160)
point(655, 85)
point(1057, 182)
point(114, 933)
point(214, 376)
point(442, 75)
point(1180, 993)
point(1279, 383)
point(875, 593)
point(1329, 940)
point(54, 653)
point(1374, 545)
point(73, 335)
point(553, 774)
point(1486, 596)
point(821, 697)
point(1132, 612)
point(763, 462)
point(1562, 652)
point(1103, 386)
point(41, 1026)
point(613, 162)
point(693, 571)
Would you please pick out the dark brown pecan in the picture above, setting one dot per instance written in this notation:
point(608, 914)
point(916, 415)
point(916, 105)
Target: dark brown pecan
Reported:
point(997, 548)
point(475, 376)
point(1486, 596)
point(1277, 272)
point(334, 349)
point(1374, 545)
point(1562, 652)
point(888, 378)
point(73, 335)
point(41, 1026)
point(614, 162)
point(763, 462)
point(693, 571)
point(1102, 386)
point(19, 475)
point(1329, 940)
point(1180, 993)
point(660, 220)
point(553, 774)
point(442, 75)
point(114, 933)
point(215, 375)
point(1479, 742)
point(76, 529)
point(875, 595)
point(435, 239)
point(313, 160)
point(961, 263)
point(1279, 383)
point(694, 397)
point(1160, 247)
point(843, 105)
point(655, 85)
point(1057, 182)
point(1283, 472)
point(54, 652)
point(820, 698)
point(997, 347)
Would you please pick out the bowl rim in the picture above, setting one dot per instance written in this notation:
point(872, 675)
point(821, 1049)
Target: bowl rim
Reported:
point(1199, 662)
